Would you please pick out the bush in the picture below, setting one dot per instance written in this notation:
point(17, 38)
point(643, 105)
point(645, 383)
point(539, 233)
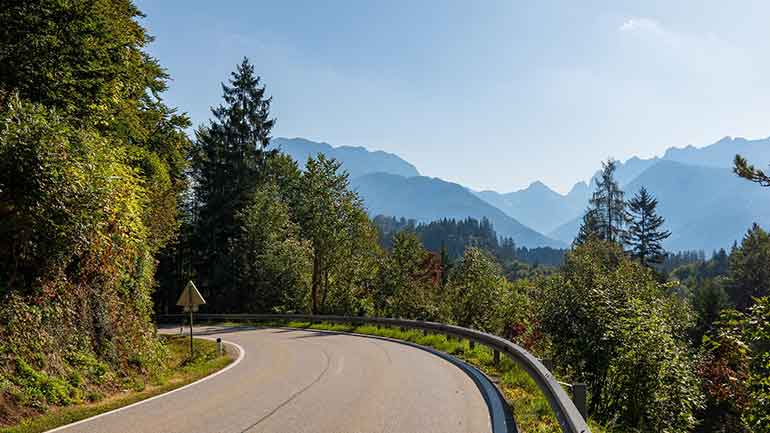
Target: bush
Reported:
point(613, 326)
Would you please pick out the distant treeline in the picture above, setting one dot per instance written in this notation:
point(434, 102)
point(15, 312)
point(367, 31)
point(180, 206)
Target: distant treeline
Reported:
point(453, 236)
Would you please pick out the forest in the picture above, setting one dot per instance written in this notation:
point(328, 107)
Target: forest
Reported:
point(110, 203)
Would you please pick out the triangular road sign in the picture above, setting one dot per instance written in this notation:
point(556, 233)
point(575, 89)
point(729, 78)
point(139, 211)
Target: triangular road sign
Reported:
point(190, 296)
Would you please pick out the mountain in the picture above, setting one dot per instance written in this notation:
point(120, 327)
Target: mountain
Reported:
point(705, 207)
point(426, 199)
point(721, 153)
point(559, 216)
point(538, 206)
point(356, 160)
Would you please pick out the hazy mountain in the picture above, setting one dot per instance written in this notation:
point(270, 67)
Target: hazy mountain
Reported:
point(356, 160)
point(721, 153)
point(560, 220)
point(705, 207)
point(538, 206)
point(426, 199)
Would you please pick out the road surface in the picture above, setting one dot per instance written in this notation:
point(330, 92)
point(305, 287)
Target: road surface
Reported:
point(305, 381)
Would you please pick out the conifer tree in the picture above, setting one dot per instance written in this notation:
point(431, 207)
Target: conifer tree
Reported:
point(749, 274)
point(645, 233)
point(589, 228)
point(228, 160)
point(742, 168)
point(608, 204)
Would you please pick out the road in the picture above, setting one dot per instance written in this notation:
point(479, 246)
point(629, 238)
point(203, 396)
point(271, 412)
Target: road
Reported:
point(307, 381)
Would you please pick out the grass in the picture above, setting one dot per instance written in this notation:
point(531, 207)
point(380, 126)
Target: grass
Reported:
point(530, 407)
point(180, 371)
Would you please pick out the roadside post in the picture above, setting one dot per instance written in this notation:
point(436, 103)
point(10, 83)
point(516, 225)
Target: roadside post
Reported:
point(190, 299)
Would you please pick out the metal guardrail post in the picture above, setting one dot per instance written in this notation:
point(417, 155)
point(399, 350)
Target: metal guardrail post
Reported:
point(496, 357)
point(471, 344)
point(548, 363)
point(579, 398)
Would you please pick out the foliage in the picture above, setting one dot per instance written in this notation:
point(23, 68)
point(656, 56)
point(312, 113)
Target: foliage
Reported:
point(410, 281)
point(749, 274)
point(742, 168)
point(644, 232)
point(736, 370)
point(91, 170)
point(613, 326)
point(177, 370)
point(590, 228)
point(274, 263)
point(228, 162)
point(332, 218)
point(709, 298)
point(474, 288)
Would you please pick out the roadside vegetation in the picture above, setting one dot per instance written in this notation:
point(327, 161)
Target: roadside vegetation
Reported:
point(74, 403)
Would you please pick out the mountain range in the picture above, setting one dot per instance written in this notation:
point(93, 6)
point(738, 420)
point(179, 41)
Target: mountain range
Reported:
point(705, 205)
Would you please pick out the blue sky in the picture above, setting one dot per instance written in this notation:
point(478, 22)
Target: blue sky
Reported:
point(490, 94)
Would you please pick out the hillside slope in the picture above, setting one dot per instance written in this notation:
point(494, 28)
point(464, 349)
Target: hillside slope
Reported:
point(427, 199)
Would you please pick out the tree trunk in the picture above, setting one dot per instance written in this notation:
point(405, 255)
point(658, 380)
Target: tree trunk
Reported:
point(316, 282)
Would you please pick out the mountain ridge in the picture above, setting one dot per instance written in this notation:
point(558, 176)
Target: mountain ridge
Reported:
point(438, 199)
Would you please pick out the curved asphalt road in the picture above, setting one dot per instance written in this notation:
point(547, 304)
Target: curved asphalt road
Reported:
point(306, 381)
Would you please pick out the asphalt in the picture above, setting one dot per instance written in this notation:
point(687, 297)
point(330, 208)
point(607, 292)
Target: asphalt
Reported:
point(298, 381)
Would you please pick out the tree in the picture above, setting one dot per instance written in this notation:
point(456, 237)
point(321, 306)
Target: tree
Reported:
point(274, 264)
point(228, 162)
point(590, 228)
point(474, 290)
point(333, 219)
point(735, 369)
point(608, 204)
point(408, 288)
point(749, 274)
point(644, 233)
point(612, 324)
point(742, 168)
point(92, 174)
point(709, 298)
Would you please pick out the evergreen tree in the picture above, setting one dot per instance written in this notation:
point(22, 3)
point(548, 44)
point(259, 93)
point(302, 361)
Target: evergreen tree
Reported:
point(228, 163)
point(742, 168)
point(749, 274)
point(590, 228)
point(645, 233)
point(608, 204)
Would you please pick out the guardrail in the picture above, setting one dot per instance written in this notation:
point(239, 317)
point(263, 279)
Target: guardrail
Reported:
point(568, 415)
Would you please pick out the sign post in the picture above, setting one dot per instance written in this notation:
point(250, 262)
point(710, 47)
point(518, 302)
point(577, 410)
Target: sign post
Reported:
point(190, 299)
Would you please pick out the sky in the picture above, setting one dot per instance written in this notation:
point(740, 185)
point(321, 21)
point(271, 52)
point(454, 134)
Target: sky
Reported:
point(489, 94)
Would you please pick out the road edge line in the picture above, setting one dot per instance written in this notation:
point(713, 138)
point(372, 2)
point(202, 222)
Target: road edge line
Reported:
point(241, 355)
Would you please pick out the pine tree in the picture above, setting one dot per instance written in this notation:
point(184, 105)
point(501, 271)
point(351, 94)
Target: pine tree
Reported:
point(645, 233)
point(608, 204)
point(228, 161)
point(742, 168)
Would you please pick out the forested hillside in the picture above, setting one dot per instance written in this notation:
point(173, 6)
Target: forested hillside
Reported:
point(426, 199)
point(91, 172)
